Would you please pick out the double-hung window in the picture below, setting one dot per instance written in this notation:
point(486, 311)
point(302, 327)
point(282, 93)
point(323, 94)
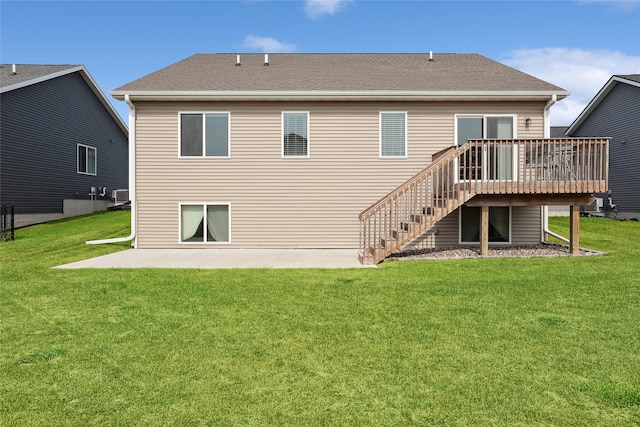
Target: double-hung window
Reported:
point(295, 134)
point(205, 223)
point(204, 134)
point(87, 163)
point(393, 134)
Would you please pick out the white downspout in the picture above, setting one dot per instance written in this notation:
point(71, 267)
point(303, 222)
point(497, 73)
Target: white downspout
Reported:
point(545, 209)
point(547, 116)
point(132, 179)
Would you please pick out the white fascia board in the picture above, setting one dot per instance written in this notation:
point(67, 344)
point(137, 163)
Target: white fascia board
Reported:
point(381, 95)
point(600, 96)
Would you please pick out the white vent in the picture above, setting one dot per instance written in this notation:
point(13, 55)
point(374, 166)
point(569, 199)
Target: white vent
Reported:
point(120, 196)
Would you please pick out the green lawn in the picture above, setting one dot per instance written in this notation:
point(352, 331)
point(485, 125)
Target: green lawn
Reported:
point(504, 342)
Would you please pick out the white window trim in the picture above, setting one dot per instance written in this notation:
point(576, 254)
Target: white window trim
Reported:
point(460, 242)
point(204, 130)
point(86, 159)
point(282, 135)
point(484, 120)
point(204, 204)
point(406, 135)
point(484, 133)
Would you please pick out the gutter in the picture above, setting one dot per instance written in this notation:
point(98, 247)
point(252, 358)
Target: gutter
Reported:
point(334, 95)
point(132, 179)
point(547, 116)
point(545, 209)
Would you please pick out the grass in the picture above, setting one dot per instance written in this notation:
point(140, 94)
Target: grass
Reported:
point(519, 342)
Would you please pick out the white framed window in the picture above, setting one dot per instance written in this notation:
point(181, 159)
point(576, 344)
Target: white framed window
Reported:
point(393, 134)
point(205, 223)
point(205, 134)
point(295, 134)
point(499, 224)
point(87, 160)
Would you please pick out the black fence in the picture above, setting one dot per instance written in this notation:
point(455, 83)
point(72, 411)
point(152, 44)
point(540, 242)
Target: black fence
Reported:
point(7, 217)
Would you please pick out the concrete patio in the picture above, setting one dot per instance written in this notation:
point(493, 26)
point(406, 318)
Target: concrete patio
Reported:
point(224, 258)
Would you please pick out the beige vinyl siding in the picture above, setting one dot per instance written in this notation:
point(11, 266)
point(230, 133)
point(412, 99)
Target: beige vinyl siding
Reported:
point(525, 230)
point(289, 202)
point(526, 225)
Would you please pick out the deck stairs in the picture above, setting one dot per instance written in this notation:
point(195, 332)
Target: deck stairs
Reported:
point(479, 167)
point(412, 208)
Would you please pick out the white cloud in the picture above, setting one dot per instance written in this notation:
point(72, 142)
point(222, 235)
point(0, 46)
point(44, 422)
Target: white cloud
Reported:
point(582, 72)
point(622, 5)
point(317, 8)
point(267, 45)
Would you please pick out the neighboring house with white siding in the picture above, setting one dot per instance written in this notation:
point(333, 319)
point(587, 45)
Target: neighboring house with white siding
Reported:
point(59, 139)
point(615, 112)
point(319, 151)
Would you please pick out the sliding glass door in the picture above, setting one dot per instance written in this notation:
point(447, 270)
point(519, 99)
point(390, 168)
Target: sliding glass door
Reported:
point(486, 162)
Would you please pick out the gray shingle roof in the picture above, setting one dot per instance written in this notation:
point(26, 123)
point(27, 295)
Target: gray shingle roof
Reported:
point(632, 77)
point(338, 73)
point(558, 131)
point(27, 72)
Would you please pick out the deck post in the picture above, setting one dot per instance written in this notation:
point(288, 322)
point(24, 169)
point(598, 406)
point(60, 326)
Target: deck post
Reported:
point(484, 231)
point(574, 230)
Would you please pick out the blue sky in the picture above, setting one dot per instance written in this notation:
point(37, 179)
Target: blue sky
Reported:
point(576, 45)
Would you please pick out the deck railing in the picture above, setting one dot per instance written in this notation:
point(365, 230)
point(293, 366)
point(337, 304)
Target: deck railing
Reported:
point(505, 166)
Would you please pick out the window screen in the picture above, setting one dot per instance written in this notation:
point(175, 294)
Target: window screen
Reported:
point(204, 135)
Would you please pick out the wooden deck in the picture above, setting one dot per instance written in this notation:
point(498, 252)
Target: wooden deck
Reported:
point(509, 172)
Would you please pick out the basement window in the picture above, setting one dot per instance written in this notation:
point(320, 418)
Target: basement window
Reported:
point(87, 160)
point(205, 223)
point(204, 134)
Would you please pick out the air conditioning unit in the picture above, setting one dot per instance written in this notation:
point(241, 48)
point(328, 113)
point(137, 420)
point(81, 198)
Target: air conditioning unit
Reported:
point(594, 209)
point(120, 196)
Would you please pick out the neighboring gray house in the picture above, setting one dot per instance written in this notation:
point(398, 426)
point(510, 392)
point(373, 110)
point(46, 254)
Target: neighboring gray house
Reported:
point(63, 147)
point(558, 131)
point(615, 112)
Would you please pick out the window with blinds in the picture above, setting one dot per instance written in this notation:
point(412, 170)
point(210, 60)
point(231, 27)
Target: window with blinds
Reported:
point(393, 134)
point(295, 134)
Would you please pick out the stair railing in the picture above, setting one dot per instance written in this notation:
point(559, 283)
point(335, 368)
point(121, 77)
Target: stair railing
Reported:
point(508, 166)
